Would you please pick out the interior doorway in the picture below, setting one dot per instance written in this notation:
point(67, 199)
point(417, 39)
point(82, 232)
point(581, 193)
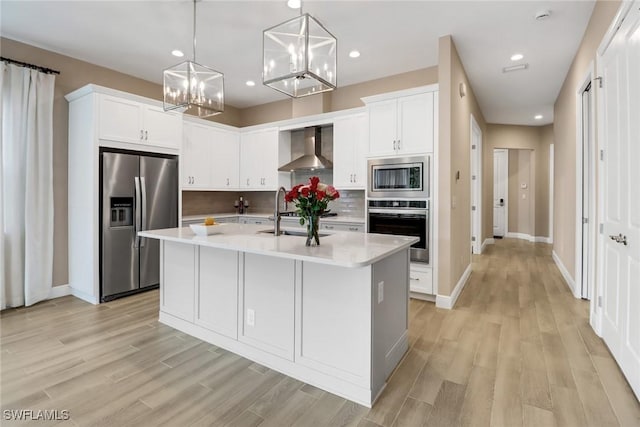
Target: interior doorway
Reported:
point(586, 217)
point(476, 187)
point(500, 192)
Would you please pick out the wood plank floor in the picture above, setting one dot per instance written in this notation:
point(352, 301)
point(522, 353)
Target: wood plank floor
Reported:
point(517, 350)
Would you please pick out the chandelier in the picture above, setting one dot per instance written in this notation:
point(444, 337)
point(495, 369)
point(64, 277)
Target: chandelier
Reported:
point(299, 57)
point(193, 88)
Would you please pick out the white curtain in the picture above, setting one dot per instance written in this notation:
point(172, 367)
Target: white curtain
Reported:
point(26, 185)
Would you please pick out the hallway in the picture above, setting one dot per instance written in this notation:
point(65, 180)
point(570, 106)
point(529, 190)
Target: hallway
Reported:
point(516, 350)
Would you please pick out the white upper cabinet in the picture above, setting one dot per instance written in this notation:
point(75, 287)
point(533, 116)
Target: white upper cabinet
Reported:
point(225, 158)
point(259, 159)
point(129, 121)
point(210, 157)
point(401, 125)
point(349, 152)
point(195, 162)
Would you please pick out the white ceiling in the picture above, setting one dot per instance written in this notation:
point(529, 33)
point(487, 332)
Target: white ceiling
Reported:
point(136, 37)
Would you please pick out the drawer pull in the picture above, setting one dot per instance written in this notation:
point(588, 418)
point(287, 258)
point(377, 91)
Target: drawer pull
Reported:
point(417, 279)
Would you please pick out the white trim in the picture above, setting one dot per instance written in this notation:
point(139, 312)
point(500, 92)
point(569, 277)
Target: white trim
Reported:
point(405, 92)
point(84, 296)
point(625, 6)
point(528, 237)
point(551, 189)
point(476, 185)
point(421, 296)
point(487, 241)
point(59, 291)
point(435, 194)
point(448, 302)
point(565, 273)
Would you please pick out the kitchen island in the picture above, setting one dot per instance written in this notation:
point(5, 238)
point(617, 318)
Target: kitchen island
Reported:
point(334, 316)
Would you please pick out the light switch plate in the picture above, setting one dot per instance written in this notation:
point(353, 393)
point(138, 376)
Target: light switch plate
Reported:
point(380, 292)
point(251, 317)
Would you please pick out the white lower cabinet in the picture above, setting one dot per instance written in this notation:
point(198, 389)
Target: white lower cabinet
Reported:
point(216, 295)
point(421, 279)
point(178, 279)
point(267, 304)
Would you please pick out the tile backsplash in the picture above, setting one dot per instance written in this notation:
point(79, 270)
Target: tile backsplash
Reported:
point(350, 203)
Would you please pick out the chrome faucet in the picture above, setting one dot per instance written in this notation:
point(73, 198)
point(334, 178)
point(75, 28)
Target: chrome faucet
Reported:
point(276, 213)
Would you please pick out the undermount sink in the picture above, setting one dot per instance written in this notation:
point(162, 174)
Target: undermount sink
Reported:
point(302, 233)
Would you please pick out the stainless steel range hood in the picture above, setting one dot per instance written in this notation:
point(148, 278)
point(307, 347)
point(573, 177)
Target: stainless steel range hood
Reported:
point(312, 158)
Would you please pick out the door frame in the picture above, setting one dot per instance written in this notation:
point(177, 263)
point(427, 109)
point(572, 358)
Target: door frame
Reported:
point(506, 194)
point(551, 189)
point(476, 186)
point(595, 309)
point(591, 190)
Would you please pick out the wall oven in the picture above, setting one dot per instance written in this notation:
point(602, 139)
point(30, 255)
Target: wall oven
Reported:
point(398, 200)
point(404, 217)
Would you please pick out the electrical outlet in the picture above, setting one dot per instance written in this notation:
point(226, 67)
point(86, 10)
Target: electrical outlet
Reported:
point(380, 292)
point(251, 317)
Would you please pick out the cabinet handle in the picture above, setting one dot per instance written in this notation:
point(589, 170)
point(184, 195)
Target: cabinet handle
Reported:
point(247, 182)
point(417, 279)
point(227, 182)
point(351, 177)
point(141, 134)
point(329, 227)
point(146, 135)
point(398, 144)
point(354, 178)
point(353, 228)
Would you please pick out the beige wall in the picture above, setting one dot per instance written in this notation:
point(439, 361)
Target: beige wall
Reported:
point(340, 99)
point(454, 151)
point(564, 130)
point(73, 75)
point(535, 138)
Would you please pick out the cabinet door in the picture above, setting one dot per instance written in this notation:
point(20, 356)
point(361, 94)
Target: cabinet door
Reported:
point(343, 152)
point(120, 120)
point(162, 128)
point(196, 156)
point(250, 166)
point(177, 279)
point(382, 127)
point(268, 159)
point(217, 291)
point(225, 159)
point(421, 279)
point(415, 123)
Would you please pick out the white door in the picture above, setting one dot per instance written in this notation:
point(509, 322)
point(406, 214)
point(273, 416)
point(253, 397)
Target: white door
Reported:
point(476, 187)
point(620, 71)
point(500, 191)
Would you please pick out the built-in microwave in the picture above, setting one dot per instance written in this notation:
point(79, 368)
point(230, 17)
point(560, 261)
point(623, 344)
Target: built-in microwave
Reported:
point(399, 177)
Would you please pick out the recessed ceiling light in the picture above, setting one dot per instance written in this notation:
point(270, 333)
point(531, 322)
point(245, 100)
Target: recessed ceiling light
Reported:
point(294, 4)
point(177, 53)
point(354, 54)
point(538, 117)
point(517, 57)
point(250, 83)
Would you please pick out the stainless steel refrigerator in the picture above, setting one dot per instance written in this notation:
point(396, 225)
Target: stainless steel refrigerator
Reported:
point(139, 191)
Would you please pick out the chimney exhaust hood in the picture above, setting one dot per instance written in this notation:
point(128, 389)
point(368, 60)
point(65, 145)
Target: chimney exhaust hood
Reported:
point(312, 159)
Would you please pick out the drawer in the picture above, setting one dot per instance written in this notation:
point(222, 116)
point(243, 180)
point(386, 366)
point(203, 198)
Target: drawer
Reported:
point(342, 227)
point(421, 280)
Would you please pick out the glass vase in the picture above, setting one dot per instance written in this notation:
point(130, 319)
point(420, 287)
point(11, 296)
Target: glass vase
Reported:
point(312, 230)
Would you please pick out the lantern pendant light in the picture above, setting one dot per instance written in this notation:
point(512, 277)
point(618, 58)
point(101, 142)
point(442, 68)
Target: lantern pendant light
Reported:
point(299, 57)
point(193, 88)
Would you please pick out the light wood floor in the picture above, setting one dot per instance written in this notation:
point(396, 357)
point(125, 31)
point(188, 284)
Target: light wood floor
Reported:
point(516, 350)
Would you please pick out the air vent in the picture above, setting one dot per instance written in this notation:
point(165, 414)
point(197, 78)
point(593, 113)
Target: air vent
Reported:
point(518, 67)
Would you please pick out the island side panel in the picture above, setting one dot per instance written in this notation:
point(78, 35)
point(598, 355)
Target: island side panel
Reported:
point(390, 308)
point(266, 315)
point(217, 291)
point(334, 321)
point(177, 280)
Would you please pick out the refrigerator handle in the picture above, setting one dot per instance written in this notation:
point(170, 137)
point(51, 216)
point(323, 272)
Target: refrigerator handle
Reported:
point(136, 213)
point(143, 205)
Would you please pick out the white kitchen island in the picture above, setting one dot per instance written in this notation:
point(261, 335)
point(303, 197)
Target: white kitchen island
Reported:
point(334, 316)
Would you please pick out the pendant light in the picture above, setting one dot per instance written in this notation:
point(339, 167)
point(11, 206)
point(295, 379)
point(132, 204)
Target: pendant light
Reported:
point(299, 57)
point(193, 88)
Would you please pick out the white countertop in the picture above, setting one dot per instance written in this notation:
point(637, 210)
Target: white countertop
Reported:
point(338, 218)
point(343, 249)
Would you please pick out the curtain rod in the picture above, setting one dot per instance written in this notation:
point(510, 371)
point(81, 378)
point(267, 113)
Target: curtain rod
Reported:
point(24, 64)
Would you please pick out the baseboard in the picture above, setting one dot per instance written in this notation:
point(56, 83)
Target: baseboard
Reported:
point(528, 237)
point(84, 296)
point(565, 273)
point(59, 291)
point(448, 301)
point(421, 296)
point(487, 241)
